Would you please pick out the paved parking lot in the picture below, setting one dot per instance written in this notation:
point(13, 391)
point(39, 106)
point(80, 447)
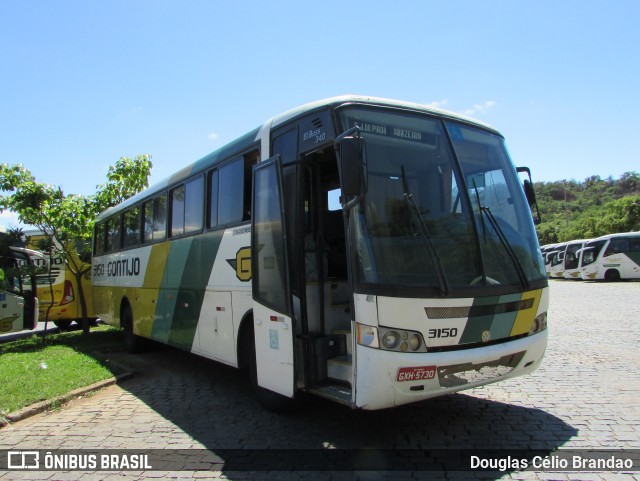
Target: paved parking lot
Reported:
point(585, 396)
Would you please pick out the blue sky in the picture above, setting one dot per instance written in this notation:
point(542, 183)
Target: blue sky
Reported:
point(83, 83)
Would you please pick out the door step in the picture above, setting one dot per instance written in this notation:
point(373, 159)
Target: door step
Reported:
point(340, 368)
point(346, 332)
point(340, 394)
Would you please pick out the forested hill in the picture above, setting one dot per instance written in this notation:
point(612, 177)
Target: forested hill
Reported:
point(583, 210)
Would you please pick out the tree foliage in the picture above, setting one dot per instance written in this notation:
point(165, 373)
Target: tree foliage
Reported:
point(584, 210)
point(68, 219)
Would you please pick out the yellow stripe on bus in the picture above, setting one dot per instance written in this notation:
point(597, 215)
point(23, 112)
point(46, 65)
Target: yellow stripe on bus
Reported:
point(525, 318)
point(149, 293)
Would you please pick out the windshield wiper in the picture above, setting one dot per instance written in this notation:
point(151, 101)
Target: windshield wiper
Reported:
point(424, 231)
point(507, 246)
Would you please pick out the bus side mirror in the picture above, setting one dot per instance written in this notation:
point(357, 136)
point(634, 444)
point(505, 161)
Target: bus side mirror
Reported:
point(530, 194)
point(351, 161)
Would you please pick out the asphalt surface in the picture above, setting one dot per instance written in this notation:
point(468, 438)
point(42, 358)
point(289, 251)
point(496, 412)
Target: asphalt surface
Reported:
point(584, 397)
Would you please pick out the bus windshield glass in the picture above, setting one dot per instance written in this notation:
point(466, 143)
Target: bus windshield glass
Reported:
point(444, 207)
point(591, 251)
point(572, 257)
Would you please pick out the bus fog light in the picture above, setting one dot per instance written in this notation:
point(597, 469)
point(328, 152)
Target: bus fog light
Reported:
point(414, 342)
point(390, 339)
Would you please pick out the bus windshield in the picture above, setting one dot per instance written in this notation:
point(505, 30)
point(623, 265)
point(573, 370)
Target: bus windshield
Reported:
point(591, 251)
point(443, 209)
point(572, 258)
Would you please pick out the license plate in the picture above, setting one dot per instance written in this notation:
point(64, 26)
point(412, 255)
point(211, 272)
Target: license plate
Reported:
point(416, 373)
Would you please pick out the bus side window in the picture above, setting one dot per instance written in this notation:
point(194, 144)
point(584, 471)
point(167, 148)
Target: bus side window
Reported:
point(234, 190)
point(617, 246)
point(186, 207)
point(113, 234)
point(99, 239)
point(131, 227)
point(250, 160)
point(286, 146)
point(154, 219)
point(212, 188)
point(230, 192)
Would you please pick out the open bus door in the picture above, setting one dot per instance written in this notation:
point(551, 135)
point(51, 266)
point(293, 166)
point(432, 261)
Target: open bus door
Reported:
point(274, 328)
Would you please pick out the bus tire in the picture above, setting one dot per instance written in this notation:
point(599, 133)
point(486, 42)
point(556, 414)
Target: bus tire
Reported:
point(270, 400)
point(612, 275)
point(132, 343)
point(63, 324)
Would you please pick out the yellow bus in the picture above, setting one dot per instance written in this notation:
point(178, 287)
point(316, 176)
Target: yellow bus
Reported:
point(64, 307)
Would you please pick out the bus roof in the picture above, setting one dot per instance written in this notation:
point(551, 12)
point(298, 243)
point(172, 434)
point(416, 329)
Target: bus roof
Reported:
point(240, 145)
point(617, 235)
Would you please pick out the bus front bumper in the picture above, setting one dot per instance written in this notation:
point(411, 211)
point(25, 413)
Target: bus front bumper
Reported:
point(385, 379)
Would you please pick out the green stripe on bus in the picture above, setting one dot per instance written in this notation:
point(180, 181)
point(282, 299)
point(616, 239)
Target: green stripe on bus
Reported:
point(476, 325)
point(503, 323)
point(187, 282)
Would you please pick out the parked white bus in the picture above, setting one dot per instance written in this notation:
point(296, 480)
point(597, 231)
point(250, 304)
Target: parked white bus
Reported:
point(427, 279)
point(573, 259)
point(557, 261)
point(547, 252)
point(18, 301)
point(612, 257)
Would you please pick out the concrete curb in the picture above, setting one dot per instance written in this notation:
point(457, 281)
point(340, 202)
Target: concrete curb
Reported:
point(43, 406)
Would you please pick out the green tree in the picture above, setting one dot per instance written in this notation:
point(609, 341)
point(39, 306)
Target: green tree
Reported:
point(68, 219)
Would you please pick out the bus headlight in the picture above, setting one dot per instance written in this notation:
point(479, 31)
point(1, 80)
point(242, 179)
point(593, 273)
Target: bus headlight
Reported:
point(414, 342)
point(539, 324)
point(390, 340)
point(401, 340)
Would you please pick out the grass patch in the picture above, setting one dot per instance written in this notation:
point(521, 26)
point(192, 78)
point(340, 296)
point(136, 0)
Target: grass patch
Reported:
point(34, 369)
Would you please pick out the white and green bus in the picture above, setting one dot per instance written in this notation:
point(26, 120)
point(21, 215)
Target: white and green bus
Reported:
point(612, 257)
point(424, 279)
point(557, 261)
point(573, 259)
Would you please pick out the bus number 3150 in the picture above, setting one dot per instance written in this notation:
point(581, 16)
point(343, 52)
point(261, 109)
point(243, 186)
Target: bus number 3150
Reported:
point(443, 332)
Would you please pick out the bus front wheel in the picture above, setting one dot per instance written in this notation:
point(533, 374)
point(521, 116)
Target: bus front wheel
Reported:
point(612, 275)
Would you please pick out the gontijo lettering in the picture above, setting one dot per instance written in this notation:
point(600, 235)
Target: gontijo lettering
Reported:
point(118, 268)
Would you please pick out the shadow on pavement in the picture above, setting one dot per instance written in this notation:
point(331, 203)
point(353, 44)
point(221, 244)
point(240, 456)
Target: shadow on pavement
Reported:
point(213, 404)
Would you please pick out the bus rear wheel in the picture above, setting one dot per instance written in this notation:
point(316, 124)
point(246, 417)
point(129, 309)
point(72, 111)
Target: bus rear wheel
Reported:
point(132, 343)
point(63, 324)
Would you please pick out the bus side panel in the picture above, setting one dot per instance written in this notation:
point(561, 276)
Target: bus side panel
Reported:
point(120, 275)
point(227, 298)
point(186, 275)
point(633, 266)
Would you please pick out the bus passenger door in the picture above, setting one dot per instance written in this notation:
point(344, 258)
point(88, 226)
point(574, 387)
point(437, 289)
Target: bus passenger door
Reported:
point(272, 312)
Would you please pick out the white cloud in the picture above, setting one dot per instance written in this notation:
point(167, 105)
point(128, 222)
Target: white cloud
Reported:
point(479, 108)
point(213, 136)
point(438, 104)
point(9, 220)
